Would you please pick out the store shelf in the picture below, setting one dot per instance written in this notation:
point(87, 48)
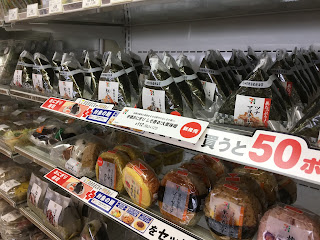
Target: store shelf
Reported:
point(32, 217)
point(4, 149)
point(4, 90)
point(28, 96)
point(8, 200)
point(36, 155)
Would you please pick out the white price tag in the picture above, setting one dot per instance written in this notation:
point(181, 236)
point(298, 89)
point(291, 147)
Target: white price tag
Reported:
point(13, 14)
point(32, 10)
point(35, 194)
point(53, 212)
point(119, 1)
point(73, 166)
point(185, 129)
point(91, 3)
point(8, 185)
point(55, 6)
point(17, 78)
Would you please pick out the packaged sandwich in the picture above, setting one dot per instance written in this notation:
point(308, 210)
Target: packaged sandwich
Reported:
point(109, 169)
point(287, 222)
point(141, 183)
point(181, 197)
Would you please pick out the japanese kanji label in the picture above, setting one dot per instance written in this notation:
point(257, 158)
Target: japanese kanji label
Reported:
point(32, 10)
point(108, 174)
point(182, 128)
point(55, 6)
point(37, 82)
point(53, 212)
point(13, 14)
point(277, 229)
point(153, 100)
point(8, 185)
point(108, 92)
point(35, 194)
point(99, 115)
point(226, 218)
point(209, 89)
point(175, 200)
point(104, 200)
point(17, 78)
point(288, 87)
point(66, 89)
point(91, 3)
point(252, 111)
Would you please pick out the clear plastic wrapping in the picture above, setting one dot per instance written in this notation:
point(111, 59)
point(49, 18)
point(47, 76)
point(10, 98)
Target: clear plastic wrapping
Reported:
point(114, 84)
point(60, 215)
point(155, 161)
point(141, 183)
point(232, 212)
point(78, 154)
point(43, 74)
point(94, 230)
point(12, 171)
point(23, 73)
point(109, 169)
point(287, 189)
point(287, 222)
point(170, 155)
point(132, 151)
point(71, 77)
point(266, 180)
point(36, 193)
point(181, 197)
point(214, 163)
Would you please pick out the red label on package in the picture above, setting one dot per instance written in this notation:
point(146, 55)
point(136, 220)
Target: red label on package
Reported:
point(53, 104)
point(231, 187)
point(233, 177)
point(183, 173)
point(190, 130)
point(58, 176)
point(293, 209)
point(252, 168)
point(139, 169)
point(100, 161)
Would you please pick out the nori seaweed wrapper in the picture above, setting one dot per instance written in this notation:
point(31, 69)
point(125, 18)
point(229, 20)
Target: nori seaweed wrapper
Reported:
point(306, 55)
point(9, 55)
point(56, 66)
point(160, 79)
point(25, 64)
point(281, 68)
point(183, 86)
point(236, 65)
point(225, 68)
point(136, 62)
point(315, 58)
point(43, 67)
point(252, 56)
point(216, 65)
point(309, 125)
point(130, 70)
point(71, 78)
point(275, 114)
point(192, 80)
point(300, 73)
point(114, 72)
point(92, 72)
point(245, 61)
point(206, 73)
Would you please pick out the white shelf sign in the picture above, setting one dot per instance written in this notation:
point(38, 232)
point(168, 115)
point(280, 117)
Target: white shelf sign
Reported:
point(119, 1)
point(32, 10)
point(13, 15)
point(91, 3)
point(182, 128)
point(55, 6)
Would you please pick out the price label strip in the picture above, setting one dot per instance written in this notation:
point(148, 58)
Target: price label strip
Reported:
point(32, 10)
point(119, 1)
point(182, 128)
point(91, 3)
point(275, 152)
point(105, 201)
point(13, 15)
point(55, 6)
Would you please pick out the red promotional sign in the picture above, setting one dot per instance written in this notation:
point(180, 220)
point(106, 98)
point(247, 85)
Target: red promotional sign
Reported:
point(53, 104)
point(190, 130)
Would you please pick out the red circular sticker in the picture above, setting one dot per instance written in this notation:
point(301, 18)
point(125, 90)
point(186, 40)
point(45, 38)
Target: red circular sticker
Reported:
point(175, 113)
point(190, 130)
point(100, 162)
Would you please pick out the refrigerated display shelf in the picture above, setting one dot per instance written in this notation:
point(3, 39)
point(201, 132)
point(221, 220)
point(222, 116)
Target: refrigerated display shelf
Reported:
point(32, 217)
point(27, 96)
point(5, 150)
point(9, 200)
